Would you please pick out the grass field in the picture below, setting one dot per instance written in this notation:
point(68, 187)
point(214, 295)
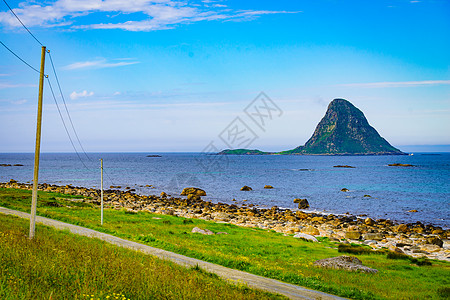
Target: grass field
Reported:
point(60, 265)
point(257, 251)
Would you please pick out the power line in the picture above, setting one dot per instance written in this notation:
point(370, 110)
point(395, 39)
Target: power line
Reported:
point(33, 68)
point(67, 111)
point(64, 123)
point(10, 9)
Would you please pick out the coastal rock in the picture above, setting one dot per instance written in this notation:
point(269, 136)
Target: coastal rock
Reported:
point(369, 222)
point(311, 230)
point(268, 186)
point(302, 203)
point(344, 262)
point(413, 210)
point(352, 235)
point(202, 231)
point(306, 237)
point(343, 166)
point(373, 236)
point(402, 228)
point(246, 188)
point(163, 195)
point(434, 240)
point(400, 165)
point(344, 190)
point(193, 191)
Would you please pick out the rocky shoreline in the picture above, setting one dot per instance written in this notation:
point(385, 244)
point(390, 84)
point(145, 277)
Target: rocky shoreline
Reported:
point(413, 239)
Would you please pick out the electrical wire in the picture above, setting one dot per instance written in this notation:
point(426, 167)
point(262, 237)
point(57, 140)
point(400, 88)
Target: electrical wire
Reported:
point(65, 105)
point(33, 68)
point(10, 9)
point(64, 123)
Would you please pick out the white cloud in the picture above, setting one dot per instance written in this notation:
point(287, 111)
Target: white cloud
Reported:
point(19, 102)
point(74, 95)
point(160, 14)
point(397, 84)
point(98, 64)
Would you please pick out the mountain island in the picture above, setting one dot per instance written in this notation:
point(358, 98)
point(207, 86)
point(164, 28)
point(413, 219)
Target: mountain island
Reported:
point(344, 130)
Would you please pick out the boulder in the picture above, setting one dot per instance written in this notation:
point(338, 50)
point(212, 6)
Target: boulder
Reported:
point(163, 195)
point(413, 210)
point(306, 237)
point(400, 165)
point(344, 190)
point(352, 235)
point(246, 188)
point(434, 240)
point(268, 187)
point(369, 222)
point(302, 203)
point(344, 262)
point(310, 230)
point(402, 228)
point(193, 191)
point(202, 231)
point(373, 236)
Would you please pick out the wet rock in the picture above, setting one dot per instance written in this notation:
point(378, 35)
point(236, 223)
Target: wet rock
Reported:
point(268, 187)
point(400, 165)
point(343, 166)
point(302, 203)
point(413, 210)
point(306, 237)
point(369, 222)
point(344, 190)
point(163, 195)
point(193, 191)
point(367, 196)
point(344, 262)
point(246, 188)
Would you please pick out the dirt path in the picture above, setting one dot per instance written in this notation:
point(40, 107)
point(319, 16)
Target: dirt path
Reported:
point(253, 281)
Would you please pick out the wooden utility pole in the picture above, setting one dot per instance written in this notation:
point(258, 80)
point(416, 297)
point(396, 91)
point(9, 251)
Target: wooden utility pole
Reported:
point(38, 148)
point(101, 188)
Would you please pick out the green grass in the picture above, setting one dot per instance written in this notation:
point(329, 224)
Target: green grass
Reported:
point(257, 251)
point(60, 265)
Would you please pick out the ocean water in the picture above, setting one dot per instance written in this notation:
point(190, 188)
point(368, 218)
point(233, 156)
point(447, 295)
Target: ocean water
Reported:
point(393, 190)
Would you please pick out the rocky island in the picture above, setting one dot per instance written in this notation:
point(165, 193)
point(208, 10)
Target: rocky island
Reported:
point(344, 130)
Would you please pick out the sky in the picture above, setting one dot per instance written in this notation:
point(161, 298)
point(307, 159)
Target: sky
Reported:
point(192, 76)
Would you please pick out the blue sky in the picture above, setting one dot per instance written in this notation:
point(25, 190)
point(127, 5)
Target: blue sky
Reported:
point(172, 75)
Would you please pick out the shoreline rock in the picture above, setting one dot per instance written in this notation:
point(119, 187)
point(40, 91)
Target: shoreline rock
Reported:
point(414, 239)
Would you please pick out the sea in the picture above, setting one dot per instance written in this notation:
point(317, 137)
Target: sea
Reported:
point(375, 189)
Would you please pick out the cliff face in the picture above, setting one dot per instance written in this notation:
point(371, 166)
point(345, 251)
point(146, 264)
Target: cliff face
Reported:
point(344, 130)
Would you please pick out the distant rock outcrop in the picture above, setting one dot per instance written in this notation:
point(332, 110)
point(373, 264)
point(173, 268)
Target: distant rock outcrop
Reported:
point(344, 130)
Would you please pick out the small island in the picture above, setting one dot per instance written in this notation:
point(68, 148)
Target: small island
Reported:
point(344, 130)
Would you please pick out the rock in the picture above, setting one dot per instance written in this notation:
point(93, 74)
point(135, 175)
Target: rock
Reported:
point(400, 165)
point(246, 188)
point(344, 190)
point(193, 191)
point(302, 203)
point(395, 249)
point(344, 262)
point(373, 236)
point(163, 195)
point(343, 166)
point(310, 230)
point(369, 222)
point(222, 232)
point(402, 228)
point(352, 235)
point(367, 196)
point(413, 210)
point(268, 187)
point(202, 231)
point(306, 237)
point(434, 240)
point(430, 248)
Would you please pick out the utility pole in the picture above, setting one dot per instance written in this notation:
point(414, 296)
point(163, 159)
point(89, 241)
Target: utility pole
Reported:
point(101, 187)
point(38, 148)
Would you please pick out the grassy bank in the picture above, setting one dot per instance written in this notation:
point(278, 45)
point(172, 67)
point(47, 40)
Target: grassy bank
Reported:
point(256, 251)
point(60, 265)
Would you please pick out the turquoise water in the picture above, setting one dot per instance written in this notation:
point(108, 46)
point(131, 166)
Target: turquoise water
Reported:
point(393, 190)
